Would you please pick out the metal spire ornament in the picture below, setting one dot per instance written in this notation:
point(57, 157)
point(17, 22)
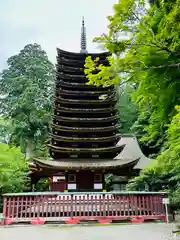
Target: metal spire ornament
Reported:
point(83, 38)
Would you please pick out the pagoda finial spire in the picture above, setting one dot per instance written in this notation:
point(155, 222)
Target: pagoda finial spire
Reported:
point(83, 37)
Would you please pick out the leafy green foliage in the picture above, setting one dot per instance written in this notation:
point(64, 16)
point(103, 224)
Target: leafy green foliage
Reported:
point(128, 110)
point(13, 167)
point(165, 171)
point(145, 47)
point(147, 55)
point(43, 185)
point(6, 129)
point(26, 87)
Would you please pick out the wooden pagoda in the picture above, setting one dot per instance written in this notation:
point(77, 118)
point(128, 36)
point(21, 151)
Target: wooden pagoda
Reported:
point(85, 130)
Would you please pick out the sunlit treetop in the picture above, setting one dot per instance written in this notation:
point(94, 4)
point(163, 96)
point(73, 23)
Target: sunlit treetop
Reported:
point(145, 44)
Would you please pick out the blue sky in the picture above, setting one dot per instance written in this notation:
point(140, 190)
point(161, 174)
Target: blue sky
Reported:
point(51, 23)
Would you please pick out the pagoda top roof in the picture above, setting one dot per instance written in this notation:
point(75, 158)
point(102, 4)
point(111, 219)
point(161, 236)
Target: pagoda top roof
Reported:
point(85, 163)
point(81, 54)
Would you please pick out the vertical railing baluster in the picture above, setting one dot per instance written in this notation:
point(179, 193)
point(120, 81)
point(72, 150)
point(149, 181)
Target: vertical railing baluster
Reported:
point(34, 206)
point(17, 207)
point(111, 204)
point(13, 207)
point(62, 206)
point(55, 207)
point(42, 206)
point(87, 202)
point(72, 205)
point(158, 205)
point(129, 208)
point(140, 204)
point(8, 207)
point(75, 206)
point(161, 205)
point(84, 206)
point(104, 206)
point(151, 205)
point(115, 205)
point(68, 204)
point(21, 207)
point(148, 205)
point(5, 207)
point(96, 206)
point(100, 205)
point(30, 206)
point(51, 206)
point(38, 206)
point(107, 204)
point(47, 206)
point(155, 205)
point(26, 209)
point(136, 205)
point(143, 206)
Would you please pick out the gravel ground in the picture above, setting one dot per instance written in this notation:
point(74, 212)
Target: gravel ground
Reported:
point(157, 231)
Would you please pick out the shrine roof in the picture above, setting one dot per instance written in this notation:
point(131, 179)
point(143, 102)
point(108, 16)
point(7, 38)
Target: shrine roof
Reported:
point(132, 151)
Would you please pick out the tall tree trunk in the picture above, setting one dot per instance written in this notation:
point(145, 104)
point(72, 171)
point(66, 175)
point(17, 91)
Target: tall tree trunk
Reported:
point(29, 149)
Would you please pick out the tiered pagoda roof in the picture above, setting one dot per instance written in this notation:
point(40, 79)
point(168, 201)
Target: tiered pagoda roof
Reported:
point(84, 126)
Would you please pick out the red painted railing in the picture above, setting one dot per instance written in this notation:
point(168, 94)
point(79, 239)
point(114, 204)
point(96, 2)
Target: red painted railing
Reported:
point(75, 207)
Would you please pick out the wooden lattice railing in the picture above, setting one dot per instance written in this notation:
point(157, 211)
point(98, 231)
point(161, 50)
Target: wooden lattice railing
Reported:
point(53, 206)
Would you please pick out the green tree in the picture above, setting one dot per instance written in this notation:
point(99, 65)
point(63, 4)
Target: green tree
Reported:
point(147, 57)
point(26, 87)
point(6, 130)
point(13, 167)
point(164, 173)
point(128, 110)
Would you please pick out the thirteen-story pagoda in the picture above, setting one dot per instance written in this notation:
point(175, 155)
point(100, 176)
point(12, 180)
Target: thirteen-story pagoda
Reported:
point(85, 130)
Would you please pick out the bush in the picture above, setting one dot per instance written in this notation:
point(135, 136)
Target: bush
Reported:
point(13, 168)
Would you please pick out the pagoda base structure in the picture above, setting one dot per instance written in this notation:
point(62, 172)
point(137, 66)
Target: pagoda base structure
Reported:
point(87, 175)
point(84, 176)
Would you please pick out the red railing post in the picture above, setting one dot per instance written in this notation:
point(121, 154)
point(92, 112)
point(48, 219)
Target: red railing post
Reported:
point(5, 207)
point(71, 206)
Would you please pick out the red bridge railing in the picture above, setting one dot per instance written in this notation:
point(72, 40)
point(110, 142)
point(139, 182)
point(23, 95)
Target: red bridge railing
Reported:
point(76, 207)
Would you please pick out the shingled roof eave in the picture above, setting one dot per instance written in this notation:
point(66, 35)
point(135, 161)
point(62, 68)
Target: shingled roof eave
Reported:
point(86, 164)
